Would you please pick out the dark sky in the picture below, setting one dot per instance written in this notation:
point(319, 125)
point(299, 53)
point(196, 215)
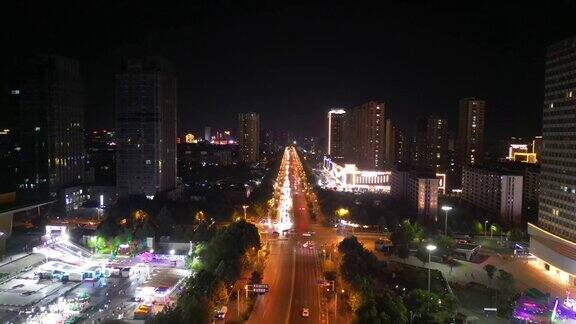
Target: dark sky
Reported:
point(292, 62)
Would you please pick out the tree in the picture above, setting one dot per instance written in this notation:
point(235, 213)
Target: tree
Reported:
point(446, 244)
point(490, 271)
point(349, 245)
point(515, 235)
point(330, 275)
point(429, 307)
point(146, 230)
point(477, 226)
point(116, 241)
point(404, 234)
point(403, 252)
point(255, 278)
point(355, 300)
point(260, 210)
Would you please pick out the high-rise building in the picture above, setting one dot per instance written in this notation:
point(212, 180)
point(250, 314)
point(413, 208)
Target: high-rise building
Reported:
point(401, 150)
point(145, 102)
point(498, 191)
point(49, 96)
point(431, 149)
point(471, 131)
point(207, 134)
point(389, 145)
point(365, 139)
point(537, 147)
point(419, 189)
point(101, 155)
point(249, 137)
point(268, 147)
point(336, 128)
point(553, 241)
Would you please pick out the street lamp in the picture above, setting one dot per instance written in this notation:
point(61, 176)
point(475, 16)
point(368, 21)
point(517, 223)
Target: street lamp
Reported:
point(446, 209)
point(245, 207)
point(486, 228)
point(431, 248)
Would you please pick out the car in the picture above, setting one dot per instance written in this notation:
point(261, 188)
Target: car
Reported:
point(305, 312)
point(306, 234)
point(26, 269)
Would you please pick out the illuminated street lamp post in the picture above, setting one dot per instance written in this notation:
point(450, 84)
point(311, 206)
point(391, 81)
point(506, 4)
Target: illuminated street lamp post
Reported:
point(446, 209)
point(486, 228)
point(430, 248)
point(245, 207)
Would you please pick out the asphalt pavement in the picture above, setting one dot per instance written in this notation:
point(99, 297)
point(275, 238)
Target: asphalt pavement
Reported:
point(292, 270)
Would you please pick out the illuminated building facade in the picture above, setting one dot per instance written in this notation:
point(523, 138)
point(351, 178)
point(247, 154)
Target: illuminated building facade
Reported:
point(189, 138)
point(336, 128)
point(400, 147)
point(101, 156)
point(389, 145)
point(145, 102)
point(471, 131)
point(521, 153)
point(365, 135)
point(553, 240)
point(419, 189)
point(348, 177)
point(49, 98)
point(498, 191)
point(537, 146)
point(431, 150)
point(249, 137)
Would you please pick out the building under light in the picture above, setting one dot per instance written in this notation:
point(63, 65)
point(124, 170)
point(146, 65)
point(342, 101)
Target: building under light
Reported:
point(349, 177)
point(471, 131)
point(189, 138)
point(145, 102)
point(336, 125)
point(521, 153)
point(497, 190)
point(419, 189)
point(249, 140)
point(553, 240)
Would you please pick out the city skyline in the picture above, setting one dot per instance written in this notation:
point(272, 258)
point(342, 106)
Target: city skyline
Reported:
point(252, 162)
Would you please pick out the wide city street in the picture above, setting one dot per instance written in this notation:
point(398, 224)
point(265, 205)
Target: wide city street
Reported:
point(294, 267)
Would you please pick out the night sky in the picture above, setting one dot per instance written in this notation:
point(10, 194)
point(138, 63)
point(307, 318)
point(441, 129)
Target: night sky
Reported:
point(292, 62)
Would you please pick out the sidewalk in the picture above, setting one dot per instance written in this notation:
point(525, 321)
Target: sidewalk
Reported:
point(20, 261)
point(13, 258)
point(527, 274)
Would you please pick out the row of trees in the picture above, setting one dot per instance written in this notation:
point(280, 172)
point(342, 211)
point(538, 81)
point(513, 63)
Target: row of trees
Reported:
point(373, 300)
point(157, 217)
point(219, 263)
